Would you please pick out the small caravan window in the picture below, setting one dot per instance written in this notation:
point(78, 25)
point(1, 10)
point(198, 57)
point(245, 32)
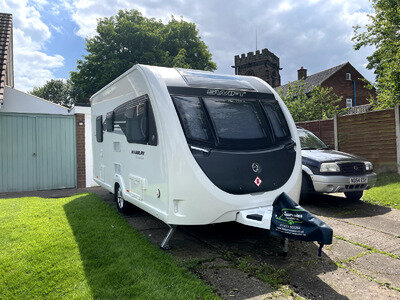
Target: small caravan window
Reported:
point(277, 119)
point(99, 129)
point(192, 117)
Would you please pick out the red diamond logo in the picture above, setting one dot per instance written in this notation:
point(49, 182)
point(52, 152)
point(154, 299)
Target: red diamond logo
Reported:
point(257, 181)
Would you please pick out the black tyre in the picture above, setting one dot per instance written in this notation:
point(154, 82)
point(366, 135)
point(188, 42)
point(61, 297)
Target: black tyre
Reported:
point(354, 196)
point(122, 205)
point(306, 187)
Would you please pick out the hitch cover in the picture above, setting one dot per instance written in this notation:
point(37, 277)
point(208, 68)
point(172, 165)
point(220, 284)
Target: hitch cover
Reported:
point(290, 220)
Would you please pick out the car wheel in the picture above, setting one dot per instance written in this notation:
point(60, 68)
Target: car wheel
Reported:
point(122, 205)
point(354, 196)
point(306, 187)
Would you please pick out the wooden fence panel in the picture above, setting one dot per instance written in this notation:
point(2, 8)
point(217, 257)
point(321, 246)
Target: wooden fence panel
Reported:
point(322, 129)
point(370, 135)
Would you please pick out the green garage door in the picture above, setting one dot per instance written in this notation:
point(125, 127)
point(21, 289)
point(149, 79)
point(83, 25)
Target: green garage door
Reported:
point(37, 152)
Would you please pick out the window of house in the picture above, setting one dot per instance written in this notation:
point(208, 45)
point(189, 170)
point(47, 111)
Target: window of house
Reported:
point(349, 102)
point(348, 76)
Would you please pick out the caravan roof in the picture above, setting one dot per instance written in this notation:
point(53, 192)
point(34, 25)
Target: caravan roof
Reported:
point(178, 77)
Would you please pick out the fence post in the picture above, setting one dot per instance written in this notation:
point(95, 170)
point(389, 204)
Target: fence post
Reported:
point(335, 132)
point(397, 120)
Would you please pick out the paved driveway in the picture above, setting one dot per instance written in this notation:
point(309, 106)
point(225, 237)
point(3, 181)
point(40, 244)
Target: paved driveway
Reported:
point(242, 262)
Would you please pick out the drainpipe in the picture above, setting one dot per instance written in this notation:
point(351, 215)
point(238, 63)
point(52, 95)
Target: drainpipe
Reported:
point(354, 93)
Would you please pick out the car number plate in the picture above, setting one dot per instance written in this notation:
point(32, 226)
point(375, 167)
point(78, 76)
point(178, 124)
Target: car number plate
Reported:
point(357, 180)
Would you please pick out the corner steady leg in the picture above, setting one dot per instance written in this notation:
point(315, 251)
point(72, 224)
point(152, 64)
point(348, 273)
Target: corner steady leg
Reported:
point(285, 247)
point(165, 243)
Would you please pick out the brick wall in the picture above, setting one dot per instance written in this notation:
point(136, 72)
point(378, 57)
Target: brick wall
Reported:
point(345, 88)
point(370, 135)
point(322, 129)
point(80, 150)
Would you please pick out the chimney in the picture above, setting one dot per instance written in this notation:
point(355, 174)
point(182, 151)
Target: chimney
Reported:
point(302, 73)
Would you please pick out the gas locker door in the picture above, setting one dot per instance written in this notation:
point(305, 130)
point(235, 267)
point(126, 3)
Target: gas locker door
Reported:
point(18, 153)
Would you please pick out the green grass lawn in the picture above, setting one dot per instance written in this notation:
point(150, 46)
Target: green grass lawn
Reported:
point(79, 247)
point(386, 191)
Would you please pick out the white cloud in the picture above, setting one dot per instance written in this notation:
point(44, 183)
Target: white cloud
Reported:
point(32, 66)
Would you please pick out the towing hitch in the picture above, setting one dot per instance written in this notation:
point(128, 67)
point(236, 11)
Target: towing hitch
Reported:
point(291, 221)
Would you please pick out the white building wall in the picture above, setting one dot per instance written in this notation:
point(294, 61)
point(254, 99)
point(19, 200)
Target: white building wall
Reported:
point(15, 101)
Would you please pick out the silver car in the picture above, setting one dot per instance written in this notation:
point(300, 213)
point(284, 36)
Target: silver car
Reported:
point(329, 171)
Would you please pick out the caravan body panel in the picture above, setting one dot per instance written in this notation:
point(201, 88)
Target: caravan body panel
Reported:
point(166, 179)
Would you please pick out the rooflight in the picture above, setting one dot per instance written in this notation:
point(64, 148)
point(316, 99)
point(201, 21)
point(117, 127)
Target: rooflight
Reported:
point(207, 79)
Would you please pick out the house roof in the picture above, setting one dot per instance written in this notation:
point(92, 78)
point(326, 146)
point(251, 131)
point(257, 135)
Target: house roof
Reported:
point(5, 35)
point(313, 80)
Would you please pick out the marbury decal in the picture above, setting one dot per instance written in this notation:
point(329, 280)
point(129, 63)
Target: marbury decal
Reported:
point(137, 152)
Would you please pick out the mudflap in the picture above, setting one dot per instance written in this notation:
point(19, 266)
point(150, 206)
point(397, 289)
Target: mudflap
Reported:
point(289, 220)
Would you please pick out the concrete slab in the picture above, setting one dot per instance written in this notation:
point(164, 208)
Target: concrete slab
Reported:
point(231, 283)
point(340, 250)
point(352, 286)
point(376, 239)
point(380, 267)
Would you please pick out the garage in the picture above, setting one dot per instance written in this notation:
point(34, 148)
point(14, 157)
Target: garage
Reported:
point(37, 152)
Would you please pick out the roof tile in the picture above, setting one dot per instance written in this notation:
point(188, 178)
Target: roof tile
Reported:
point(312, 80)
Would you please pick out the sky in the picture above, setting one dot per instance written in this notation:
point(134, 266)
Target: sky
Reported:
point(49, 35)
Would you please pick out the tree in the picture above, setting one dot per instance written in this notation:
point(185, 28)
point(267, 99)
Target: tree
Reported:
point(320, 103)
point(55, 90)
point(129, 38)
point(383, 33)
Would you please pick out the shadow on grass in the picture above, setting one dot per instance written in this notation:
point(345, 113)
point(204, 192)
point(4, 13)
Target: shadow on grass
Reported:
point(121, 263)
point(341, 207)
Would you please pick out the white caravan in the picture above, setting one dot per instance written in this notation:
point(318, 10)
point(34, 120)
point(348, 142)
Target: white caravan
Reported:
point(193, 147)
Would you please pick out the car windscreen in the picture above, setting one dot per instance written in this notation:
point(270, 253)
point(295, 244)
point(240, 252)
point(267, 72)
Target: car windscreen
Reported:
point(231, 122)
point(309, 141)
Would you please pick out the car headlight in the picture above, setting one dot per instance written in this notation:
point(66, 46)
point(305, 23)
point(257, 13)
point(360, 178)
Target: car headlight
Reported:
point(329, 167)
point(368, 166)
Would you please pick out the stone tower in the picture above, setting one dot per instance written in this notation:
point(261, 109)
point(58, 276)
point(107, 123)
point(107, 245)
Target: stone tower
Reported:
point(264, 65)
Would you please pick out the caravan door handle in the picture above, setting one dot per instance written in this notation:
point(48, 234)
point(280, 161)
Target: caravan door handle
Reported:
point(33, 154)
point(290, 145)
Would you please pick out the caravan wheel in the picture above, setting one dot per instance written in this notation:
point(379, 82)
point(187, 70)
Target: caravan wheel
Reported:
point(121, 203)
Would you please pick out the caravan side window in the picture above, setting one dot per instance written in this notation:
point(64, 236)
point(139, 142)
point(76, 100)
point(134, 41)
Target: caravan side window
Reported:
point(136, 120)
point(276, 119)
point(99, 129)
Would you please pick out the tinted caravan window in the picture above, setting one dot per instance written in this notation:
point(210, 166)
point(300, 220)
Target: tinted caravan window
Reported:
point(277, 119)
point(99, 129)
point(192, 117)
point(230, 119)
point(136, 120)
point(234, 119)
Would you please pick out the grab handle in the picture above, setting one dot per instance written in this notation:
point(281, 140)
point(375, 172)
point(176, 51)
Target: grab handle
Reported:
point(290, 145)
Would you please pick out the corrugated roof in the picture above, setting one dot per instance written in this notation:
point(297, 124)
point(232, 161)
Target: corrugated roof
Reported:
point(5, 35)
point(313, 80)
